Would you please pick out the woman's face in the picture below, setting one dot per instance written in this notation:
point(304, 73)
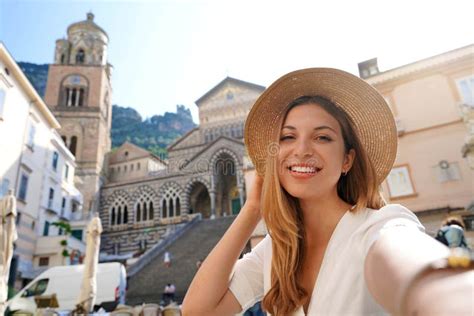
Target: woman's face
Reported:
point(311, 157)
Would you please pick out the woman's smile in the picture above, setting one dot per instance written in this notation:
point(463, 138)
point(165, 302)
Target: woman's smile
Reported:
point(303, 171)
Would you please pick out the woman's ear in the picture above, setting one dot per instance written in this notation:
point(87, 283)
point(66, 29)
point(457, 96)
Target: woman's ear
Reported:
point(348, 160)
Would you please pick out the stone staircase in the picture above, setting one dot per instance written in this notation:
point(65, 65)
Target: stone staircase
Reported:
point(147, 284)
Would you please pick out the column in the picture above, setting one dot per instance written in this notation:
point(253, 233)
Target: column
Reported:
point(69, 97)
point(212, 194)
point(240, 186)
point(76, 101)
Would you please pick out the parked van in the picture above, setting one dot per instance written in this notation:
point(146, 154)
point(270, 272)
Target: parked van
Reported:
point(66, 281)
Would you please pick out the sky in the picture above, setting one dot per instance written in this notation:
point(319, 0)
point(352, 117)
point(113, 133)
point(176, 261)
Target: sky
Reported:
point(169, 52)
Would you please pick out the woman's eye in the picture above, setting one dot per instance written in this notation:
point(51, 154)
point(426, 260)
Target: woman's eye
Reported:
point(286, 137)
point(324, 138)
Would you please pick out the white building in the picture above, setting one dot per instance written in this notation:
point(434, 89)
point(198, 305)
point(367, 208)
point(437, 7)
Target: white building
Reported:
point(39, 168)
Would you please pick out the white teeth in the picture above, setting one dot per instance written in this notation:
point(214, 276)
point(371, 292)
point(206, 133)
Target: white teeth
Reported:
point(303, 169)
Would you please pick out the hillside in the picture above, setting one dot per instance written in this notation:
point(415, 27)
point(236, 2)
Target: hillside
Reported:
point(153, 134)
point(37, 74)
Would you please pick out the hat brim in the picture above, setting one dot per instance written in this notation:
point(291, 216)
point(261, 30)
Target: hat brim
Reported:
point(368, 110)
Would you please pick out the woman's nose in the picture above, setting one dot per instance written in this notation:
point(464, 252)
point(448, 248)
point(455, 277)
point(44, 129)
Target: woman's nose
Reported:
point(303, 149)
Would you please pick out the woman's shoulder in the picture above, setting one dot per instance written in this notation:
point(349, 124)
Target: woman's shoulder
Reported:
point(391, 215)
point(375, 222)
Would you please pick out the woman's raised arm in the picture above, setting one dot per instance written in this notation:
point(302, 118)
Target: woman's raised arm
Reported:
point(208, 293)
point(392, 272)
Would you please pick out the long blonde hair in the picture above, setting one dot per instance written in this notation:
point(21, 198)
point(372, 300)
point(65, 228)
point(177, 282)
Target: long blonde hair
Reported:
point(284, 218)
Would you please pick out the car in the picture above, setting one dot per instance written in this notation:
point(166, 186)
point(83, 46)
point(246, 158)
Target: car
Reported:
point(66, 281)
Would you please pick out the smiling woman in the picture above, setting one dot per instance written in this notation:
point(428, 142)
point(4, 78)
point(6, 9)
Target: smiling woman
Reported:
point(322, 141)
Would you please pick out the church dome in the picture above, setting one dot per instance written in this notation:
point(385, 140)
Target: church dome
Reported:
point(88, 26)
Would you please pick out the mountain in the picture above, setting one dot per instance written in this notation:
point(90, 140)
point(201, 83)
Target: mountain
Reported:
point(153, 134)
point(37, 74)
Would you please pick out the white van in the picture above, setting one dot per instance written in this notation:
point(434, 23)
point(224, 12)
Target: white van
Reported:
point(65, 282)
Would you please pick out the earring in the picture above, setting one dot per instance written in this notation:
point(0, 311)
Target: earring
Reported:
point(344, 173)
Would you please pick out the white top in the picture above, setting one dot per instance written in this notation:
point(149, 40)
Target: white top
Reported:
point(340, 287)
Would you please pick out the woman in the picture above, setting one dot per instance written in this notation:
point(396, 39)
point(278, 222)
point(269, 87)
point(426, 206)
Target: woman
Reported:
point(322, 142)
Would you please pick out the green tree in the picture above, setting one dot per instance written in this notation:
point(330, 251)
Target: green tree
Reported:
point(66, 228)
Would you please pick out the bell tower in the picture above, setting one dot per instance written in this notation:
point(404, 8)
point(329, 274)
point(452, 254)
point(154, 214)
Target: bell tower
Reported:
point(79, 92)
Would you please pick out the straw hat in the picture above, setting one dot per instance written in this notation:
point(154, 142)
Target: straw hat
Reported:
point(371, 115)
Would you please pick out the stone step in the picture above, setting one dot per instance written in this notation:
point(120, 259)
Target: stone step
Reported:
point(147, 285)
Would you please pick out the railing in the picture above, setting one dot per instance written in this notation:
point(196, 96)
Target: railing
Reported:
point(80, 216)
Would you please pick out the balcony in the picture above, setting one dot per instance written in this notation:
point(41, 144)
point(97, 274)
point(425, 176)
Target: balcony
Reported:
point(51, 245)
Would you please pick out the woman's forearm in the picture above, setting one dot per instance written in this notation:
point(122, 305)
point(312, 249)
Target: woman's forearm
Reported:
point(442, 292)
point(394, 259)
point(212, 279)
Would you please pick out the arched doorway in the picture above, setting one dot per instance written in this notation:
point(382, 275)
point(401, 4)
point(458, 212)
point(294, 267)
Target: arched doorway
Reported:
point(199, 200)
point(225, 184)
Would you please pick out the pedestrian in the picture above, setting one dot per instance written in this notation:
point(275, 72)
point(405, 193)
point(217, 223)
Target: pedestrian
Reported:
point(451, 233)
point(167, 259)
point(168, 294)
point(322, 141)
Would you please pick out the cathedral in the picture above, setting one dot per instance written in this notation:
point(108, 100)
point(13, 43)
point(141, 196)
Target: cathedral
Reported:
point(139, 196)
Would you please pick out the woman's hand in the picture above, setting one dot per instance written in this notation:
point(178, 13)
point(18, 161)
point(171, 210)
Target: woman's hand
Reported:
point(253, 201)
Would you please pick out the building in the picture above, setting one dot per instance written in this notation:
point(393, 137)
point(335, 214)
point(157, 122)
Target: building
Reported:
point(130, 162)
point(38, 167)
point(79, 93)
point(432, 101)
point(204, 174)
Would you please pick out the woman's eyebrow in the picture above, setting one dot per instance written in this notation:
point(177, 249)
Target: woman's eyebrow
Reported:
point(316, 128)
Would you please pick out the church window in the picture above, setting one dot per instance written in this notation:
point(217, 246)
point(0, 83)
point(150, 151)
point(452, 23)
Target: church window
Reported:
point(119, 216)
point(125, 214)
point(164, 209)
point(74, 91)
point(150, 210)
point(171, 203)
point(144, 207)
point(125, 168)
point(73, 145)
point(81, 97)
point(80, 57)
point(64, 138)
point(119, 212)
point(138, 166)
point(112, 216)
point(144, 212)
point(138, 213)
point(178, 208)
point(131, 167)
point(171, 210)
point(63, 58)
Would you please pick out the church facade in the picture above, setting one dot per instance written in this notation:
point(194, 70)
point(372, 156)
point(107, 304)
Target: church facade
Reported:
point(204, 174)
